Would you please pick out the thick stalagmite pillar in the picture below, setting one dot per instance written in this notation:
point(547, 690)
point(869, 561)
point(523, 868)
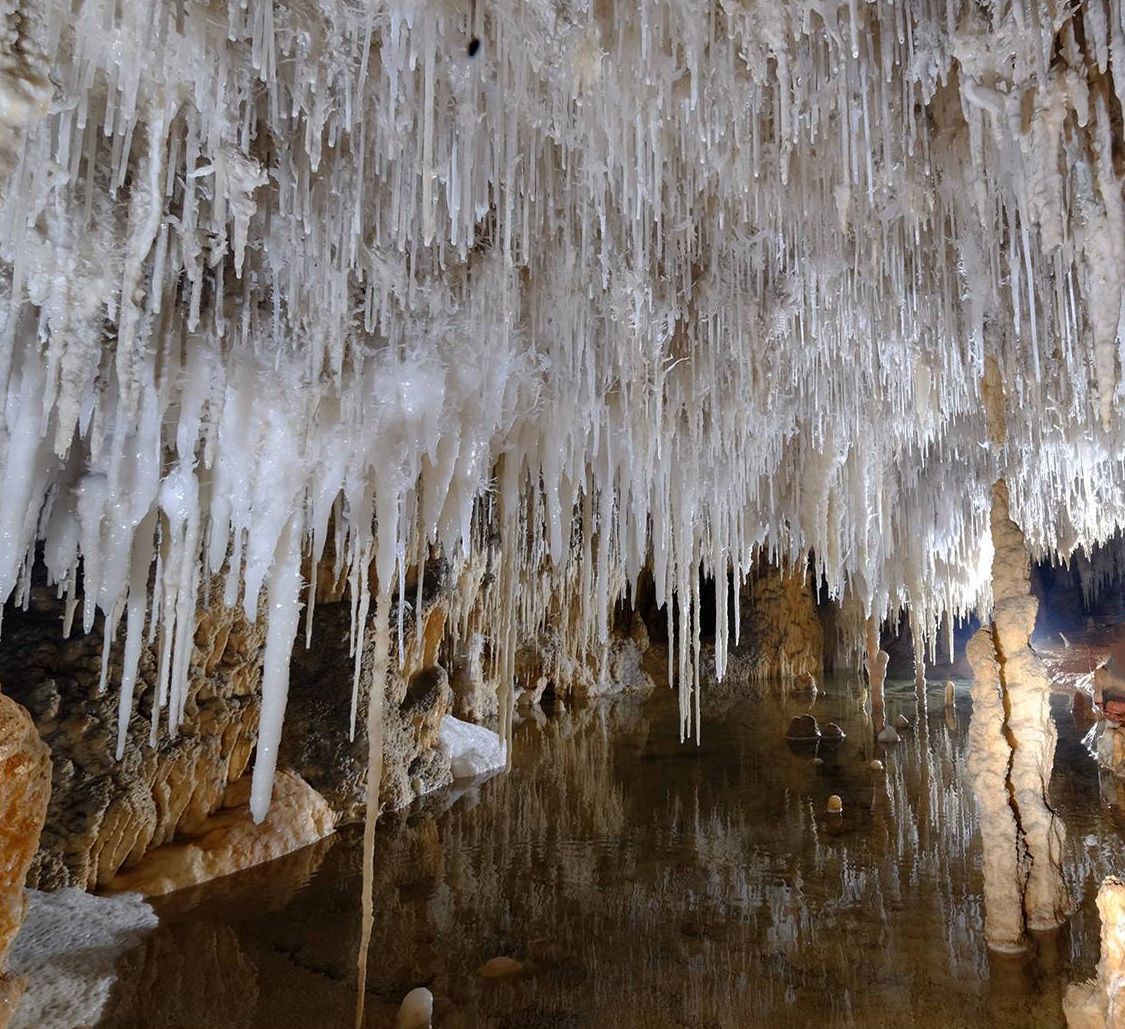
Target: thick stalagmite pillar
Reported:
point(1012, 751)
point(1030, 727)
point(25, 788)
point(1005, 857)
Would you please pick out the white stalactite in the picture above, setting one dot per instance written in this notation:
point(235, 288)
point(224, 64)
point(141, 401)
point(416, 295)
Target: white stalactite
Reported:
point(666, 287)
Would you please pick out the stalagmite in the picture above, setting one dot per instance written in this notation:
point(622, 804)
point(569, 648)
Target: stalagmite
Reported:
point(1100, 1002)
point(416, 1010)
point(1012, 750)
point(1029, 726)
point(876, 675)
point(1004, 861)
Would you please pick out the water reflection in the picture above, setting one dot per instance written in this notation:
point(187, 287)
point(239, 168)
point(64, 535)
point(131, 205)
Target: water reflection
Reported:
point(649, 884)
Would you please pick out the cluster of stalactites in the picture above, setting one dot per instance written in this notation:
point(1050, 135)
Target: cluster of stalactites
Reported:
point(619, 285)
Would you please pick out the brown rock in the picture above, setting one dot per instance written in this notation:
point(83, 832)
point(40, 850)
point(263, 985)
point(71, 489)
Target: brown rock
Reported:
point(315, 741)
point(803, 729)
point(105, 814)
point(616, 669)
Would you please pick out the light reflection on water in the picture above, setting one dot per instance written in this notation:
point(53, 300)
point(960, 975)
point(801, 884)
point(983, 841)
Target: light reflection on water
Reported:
point(651, 885)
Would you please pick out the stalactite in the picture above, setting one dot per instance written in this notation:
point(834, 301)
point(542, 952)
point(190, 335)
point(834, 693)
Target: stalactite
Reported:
point(602, 295)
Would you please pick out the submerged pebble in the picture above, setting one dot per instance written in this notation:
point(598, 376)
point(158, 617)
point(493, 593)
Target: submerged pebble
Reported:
point(500, 968)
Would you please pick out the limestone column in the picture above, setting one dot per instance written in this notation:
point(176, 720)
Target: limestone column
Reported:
point(1005, 857)
point(25, 787)
point(1031, 729)
point(1012, 751)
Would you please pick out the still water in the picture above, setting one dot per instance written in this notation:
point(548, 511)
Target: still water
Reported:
point(649, 884)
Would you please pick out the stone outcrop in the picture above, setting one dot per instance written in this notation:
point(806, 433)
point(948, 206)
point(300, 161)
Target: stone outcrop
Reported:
point(105, 814)
point(1100, 1003)
point(1013, 751)
point(782, 635)
point(230, 841)
point(475, 697)
point(25, 787)
point(545, 663)
point(316, 741)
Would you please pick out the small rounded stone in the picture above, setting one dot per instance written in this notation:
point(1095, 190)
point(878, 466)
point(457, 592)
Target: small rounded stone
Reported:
point(500, 968)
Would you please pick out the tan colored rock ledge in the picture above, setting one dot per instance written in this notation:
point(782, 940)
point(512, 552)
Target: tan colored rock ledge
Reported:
point(230, 841)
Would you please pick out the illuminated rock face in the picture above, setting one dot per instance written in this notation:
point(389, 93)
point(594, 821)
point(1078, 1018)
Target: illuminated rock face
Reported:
point(1012, 752)
point(25, 787)
point(606, 293)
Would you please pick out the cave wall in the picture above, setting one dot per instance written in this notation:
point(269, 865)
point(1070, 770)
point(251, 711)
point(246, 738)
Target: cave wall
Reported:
point(106, 813)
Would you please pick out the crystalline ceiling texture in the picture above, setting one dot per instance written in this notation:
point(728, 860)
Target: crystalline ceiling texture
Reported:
point(663, 281)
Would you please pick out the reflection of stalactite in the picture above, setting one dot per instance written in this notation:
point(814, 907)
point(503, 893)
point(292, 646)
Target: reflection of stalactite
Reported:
point(876, 674)
point(1012, 751)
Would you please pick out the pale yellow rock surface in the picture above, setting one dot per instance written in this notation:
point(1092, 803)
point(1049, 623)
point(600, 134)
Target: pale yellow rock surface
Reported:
point(230, 841)
point(500, 968)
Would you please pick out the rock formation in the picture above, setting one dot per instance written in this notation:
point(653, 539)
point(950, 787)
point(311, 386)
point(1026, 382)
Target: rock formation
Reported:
point(230, 840)
point(317, 742)
point(1029, 726)
point(781, 633)
point(1004, 862)
point(1013, 751)
point(876, 665)
point(25, 787)
point(105, 812)
point(1100, 1002)
point(545, 663)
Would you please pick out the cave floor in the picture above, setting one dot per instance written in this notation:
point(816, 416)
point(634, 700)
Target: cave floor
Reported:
point(647, 884)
